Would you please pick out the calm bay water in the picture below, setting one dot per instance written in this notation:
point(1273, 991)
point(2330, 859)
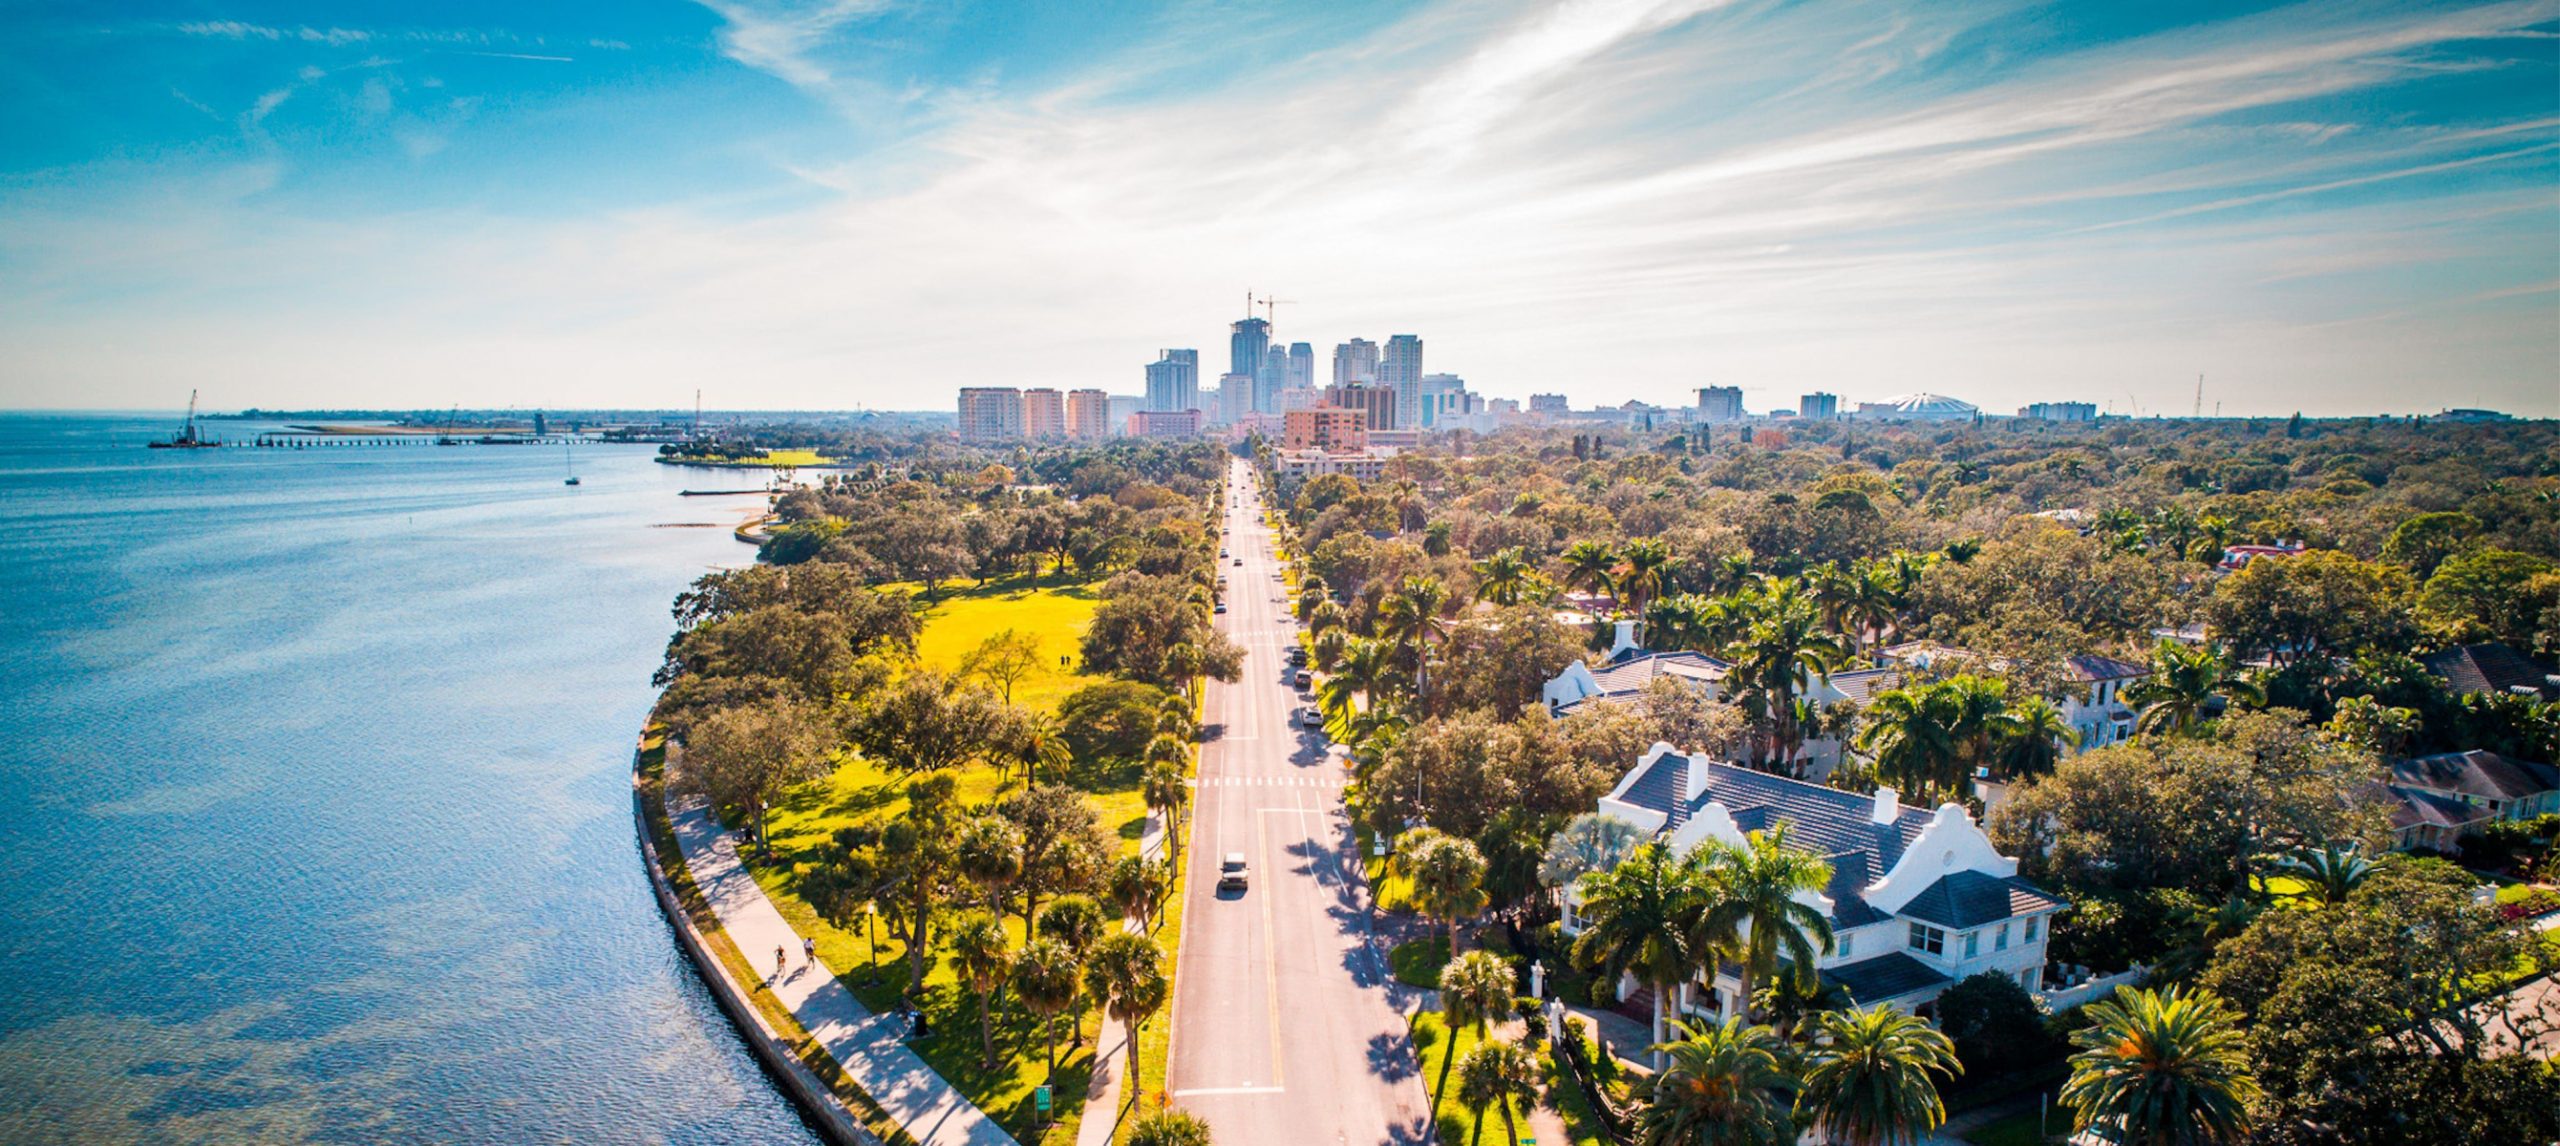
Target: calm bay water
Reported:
point(314, 806)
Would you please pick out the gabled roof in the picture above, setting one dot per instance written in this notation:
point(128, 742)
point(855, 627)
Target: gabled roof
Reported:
point(1861, 685)
point(2489, 668)
point(1889, 976)
point(1828, 822)
point(1636, 668)
point(2417, 807)
point(1966, 899)
point(2092, 667)
point(2478, 772)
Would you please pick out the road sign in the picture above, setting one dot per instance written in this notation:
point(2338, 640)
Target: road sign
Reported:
point(1040, 1099)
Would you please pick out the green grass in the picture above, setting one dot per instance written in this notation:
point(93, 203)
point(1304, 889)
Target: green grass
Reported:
point(2511, 892)
point(1417, 962)
point(1581, 1123)
point(861, 790)
point(1456, 1120)
point(2020, 1129)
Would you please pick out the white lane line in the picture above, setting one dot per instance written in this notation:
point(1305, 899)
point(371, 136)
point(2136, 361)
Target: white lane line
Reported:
point(1200, 1091)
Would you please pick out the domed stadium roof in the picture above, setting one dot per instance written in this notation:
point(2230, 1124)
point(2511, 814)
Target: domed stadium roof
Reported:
point(1921, 407)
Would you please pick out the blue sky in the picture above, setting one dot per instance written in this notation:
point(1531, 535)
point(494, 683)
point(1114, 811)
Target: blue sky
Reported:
point(2332, 207)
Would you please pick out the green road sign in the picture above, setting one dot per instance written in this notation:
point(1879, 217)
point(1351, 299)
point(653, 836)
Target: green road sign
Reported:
point(1040, 1099)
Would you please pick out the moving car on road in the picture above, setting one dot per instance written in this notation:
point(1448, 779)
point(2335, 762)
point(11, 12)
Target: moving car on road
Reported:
point(1231, 872)
point(1303, 679)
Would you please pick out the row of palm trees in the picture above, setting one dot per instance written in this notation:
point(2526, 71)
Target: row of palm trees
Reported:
point(1929, 737)
point(2154, 1068)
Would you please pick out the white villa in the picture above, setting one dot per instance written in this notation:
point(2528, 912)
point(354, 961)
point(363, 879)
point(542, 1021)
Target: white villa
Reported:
point(1918, 899)
point(1628, 668)
point(2101, 718)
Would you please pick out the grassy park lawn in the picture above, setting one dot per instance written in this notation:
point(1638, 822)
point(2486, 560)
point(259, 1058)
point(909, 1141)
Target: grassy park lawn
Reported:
point(1456, 1120)
point(861, 790)
point(1417, 962)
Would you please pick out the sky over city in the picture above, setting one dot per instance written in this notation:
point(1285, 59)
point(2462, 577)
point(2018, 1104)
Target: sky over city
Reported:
point(2338, 208)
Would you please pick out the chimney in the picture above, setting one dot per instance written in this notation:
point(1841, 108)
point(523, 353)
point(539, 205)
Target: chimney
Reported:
point(1888, 806)
point(1626, 639)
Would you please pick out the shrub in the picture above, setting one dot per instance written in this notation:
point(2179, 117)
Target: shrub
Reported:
point(1111, 720)
point(1995, 1025)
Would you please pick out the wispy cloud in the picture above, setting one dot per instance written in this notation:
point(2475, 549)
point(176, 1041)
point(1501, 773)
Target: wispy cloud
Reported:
point(1614, 197)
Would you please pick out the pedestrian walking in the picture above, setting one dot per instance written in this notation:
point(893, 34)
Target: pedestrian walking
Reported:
point(777, 963)
point(808, 951)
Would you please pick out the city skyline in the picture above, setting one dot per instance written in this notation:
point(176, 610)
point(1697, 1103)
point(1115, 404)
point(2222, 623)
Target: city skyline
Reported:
point(2337, 210)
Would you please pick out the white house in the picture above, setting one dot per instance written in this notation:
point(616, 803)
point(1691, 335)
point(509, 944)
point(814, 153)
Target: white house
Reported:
point(1628, 668)
point(2103, 718)
point(1918, 899)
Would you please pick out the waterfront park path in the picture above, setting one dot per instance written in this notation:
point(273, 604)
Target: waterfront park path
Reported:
point(864, 1044)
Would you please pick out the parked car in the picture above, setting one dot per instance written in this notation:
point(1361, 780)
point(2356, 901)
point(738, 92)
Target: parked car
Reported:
point(1231, 872)
point(1304, 679)
point(1221, 607)
point(1297, 654)
point(1311, 717)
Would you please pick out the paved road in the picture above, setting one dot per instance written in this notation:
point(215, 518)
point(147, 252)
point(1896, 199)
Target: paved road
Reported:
point(1283, 1032)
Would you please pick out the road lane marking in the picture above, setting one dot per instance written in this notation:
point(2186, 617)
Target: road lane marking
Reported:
point(1270, 953)
point(1201, 1091)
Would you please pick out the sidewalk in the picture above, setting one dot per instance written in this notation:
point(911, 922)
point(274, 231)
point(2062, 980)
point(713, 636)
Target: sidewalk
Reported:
point(866, 1045)
point(1104, 1096)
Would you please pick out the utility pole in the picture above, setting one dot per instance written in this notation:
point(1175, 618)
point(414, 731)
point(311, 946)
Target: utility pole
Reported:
point(2199, 411)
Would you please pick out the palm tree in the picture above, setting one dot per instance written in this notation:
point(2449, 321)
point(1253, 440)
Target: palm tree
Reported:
point(1908, 733)
point(1410, 619)
point(2332, 873)
point(1125, 973)
point(1474, 988)
point(983, 957)
point(990, 856)
point(1643, 573)
point(2183, 686)
point(2161, 1068)
point(1872, 602)
point(1366, 666)
point(1136, 885)
point(1633, 923)
point(1870, 1083)
point(1078, 922)
point(1169, 1127)
point(1589, 842)
point(1497, 1074)
point(1448, 882)
point(2037, 732)
point(1784, 645)
point(1588, 566)
point(1177, 719)
point(1505, 577)
point(1050, 982)
point(1980, 718)
point(1038, 742)
point(1720, 1088)
point(1165, 789)
point(1752, 910)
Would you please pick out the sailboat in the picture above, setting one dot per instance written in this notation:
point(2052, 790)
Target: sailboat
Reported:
point(569, 458)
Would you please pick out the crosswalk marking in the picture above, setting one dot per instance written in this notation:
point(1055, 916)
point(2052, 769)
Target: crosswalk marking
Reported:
point(1272, 781)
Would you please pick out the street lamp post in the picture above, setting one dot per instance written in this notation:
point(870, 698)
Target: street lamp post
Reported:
point(871, 938)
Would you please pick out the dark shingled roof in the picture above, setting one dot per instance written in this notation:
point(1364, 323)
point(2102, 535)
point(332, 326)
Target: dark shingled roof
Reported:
point(1861, 685)
point(2412, 807)
point(2489, 668)
point(1825, 821)
point(2476, 773)
point(1884, 977)
point(2092, 667)
point(1633, 669)
point(1967, 899)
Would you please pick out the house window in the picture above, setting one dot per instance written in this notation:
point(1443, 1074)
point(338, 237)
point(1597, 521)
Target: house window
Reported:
point(2000, 938)
point(2031, 927)
point(1928, 939)
point(2027, 979)
point(1972, 944)
point(1848, 944)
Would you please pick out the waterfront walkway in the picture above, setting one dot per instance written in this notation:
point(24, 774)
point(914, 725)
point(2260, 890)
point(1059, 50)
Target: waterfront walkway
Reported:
point(866, 1045)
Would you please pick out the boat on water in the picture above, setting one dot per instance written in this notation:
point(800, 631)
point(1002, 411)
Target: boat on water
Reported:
point(569, 457)
point(186, 438)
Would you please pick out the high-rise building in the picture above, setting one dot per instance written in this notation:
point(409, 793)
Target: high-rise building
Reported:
point(1400, 370)
point(1818, 405)
point(1355, 361)
point(1165, 424)
point(1271, 379)
point(1327, 428)
point(1173, 380)
point(1247, 342)
point(1302, 367)
point(1550, 405)
point(1123, 407)
point(2060, 411)
point(1044, 413)
point(990, 414)
point(1720, 403)
point(1235, 398)
point(1376, 402)
point(1444, 393)
point(1088, 415)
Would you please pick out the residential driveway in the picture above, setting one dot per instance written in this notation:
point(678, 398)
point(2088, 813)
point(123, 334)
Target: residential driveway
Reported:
point(1284, 1030)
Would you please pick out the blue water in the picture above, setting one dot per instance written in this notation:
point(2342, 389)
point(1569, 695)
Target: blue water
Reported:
point(315, 818)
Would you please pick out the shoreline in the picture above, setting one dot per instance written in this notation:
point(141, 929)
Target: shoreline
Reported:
point(819, 1103)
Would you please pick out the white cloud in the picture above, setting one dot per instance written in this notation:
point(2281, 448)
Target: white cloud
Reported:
point(1614, 199)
